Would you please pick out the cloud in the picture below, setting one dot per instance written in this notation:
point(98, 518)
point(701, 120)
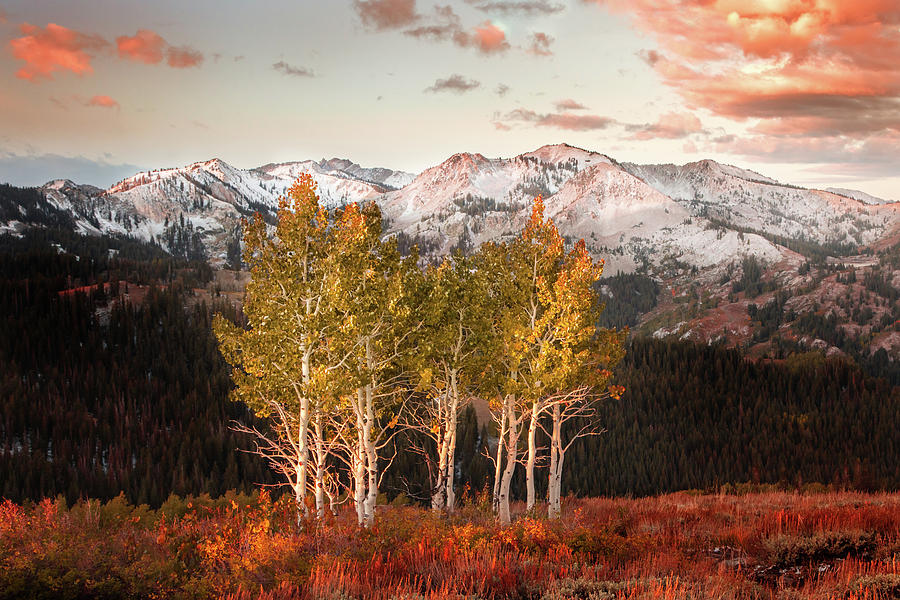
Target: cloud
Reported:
point(521, 7)
point(540, 44)
point(183, 57)
point(54, 48)
point(502, 89)
point(386, 14)
point(796, 68)
point(877, 153)
point(98, 101)
point(446, 25)
point(34, 170)
point(489, 38)
point(568, 104)
point(559, 120)
point(287, 69)
point(150, 48)
point(670, 126)
point(145, 46)
point(103, 102)
point(455, 83)
point(3, 17)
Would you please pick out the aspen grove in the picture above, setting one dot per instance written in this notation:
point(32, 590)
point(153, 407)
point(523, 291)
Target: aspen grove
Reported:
point(346, 343)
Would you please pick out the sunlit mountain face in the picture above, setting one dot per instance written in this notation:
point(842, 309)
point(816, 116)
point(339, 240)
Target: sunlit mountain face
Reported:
point(724, 236)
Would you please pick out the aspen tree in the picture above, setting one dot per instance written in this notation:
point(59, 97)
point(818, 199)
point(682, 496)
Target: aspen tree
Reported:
point(276, 359)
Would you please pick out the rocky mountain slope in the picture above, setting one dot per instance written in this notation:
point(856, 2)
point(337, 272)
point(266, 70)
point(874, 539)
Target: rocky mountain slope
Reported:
point(716, 238)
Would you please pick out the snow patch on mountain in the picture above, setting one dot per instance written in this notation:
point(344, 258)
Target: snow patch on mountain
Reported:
point(662, 217)
point(858, 195)
point(747, 200)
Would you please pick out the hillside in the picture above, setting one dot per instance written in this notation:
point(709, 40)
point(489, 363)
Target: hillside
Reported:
point(728, 248)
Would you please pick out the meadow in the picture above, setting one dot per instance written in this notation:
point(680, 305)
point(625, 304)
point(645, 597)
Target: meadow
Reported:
point(766, 544)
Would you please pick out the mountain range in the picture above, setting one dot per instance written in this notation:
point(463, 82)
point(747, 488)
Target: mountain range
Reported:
point(714, 238)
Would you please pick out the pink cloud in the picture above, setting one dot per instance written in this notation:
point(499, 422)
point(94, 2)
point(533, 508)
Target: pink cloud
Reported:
point(799, 67)
point(183, 57)
point(489, 38)
point(446, 25)
point(103, 102)
point(145, 46)
point(839, 154)
point(54, 48)
point(149, 47)
point(670, 126)
point(568, 104)
point(386, 14)
point(565, 121)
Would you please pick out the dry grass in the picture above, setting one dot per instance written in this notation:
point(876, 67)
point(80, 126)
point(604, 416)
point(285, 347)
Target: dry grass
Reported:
point(771, 545)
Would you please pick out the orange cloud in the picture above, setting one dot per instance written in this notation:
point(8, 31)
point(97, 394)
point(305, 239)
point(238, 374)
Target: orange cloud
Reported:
point(145, 46)
point(490, 38)
point(2, 16)
point(149, 47)
point(183, 57)
point(54, 48)
point(799, 67)
point(446, 25)
point(103, 102)
point(670, 126)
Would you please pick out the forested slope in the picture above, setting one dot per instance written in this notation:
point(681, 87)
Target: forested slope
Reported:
point(124, 390)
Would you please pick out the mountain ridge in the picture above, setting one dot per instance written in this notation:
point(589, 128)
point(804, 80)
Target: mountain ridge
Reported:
point(689, 227)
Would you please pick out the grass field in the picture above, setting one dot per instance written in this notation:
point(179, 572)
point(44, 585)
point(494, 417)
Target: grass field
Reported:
point(762, 545)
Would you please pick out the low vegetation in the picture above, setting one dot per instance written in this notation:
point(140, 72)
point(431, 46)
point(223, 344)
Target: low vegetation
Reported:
point(766, 544)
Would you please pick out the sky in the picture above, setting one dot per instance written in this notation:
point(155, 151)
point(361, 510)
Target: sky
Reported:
point(806, 91)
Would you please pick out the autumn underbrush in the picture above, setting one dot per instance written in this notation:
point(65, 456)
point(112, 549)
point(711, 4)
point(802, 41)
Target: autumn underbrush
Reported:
point(837, 545)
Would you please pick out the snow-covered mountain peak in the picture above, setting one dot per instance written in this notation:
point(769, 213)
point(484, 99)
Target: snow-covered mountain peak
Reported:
point(563, 153)
point(635, 215)
point(290, 169)
point(378, 175)
point(59, 184)
point(717, 168)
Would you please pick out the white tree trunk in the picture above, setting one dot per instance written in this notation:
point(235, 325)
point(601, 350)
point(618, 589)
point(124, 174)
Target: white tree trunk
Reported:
point(359, 489)
point(511, 457)
point(371, 457)
point(498, 466)
point(557, 454)
point(451, 450)
point(532, 455)
point(321, 457)
point(303, 439)
point(439, 495)
point(359, 460)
